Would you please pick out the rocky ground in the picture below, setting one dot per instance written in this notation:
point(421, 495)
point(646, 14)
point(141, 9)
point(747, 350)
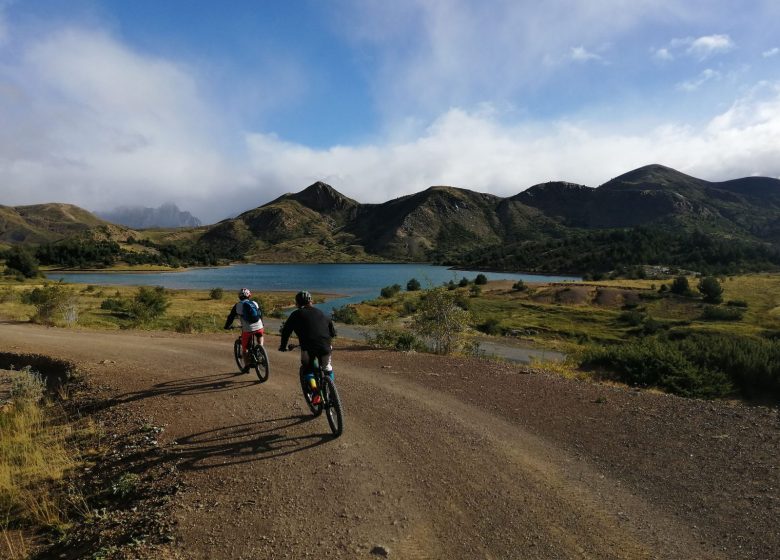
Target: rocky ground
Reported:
point(440, 457)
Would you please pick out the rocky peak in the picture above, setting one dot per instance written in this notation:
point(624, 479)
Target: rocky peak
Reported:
point(321, 197)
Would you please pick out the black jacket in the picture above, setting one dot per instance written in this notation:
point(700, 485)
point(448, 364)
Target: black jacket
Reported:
point(313, 329)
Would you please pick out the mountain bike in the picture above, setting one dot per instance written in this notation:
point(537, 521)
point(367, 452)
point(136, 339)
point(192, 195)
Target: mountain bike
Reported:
point(258, 358)
point(330, 402)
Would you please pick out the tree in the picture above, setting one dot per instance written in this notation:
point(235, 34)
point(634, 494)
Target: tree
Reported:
point(22, 260)
point(412, 285)
point(441, 321)
point(680, 286)
point(711, 289)
point(518, 286)
point(481, 279)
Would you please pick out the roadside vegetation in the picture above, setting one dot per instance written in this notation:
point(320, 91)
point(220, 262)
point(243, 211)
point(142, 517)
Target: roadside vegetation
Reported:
point(698, 337)
point(37, 455)
point(61, 304)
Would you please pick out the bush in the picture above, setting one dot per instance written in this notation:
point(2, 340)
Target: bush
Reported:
point(491, 326)
point(148, 304)
point(346, 314)
point(413, 285)
point(633, 318)
point(711, 289)
point(475, 290)
point(714, 313)
point(518, 286)
point(216, 293)
point(395, 339)
point(680, 286)
point(463, 282)
point(737, 303)
point(21, 260)
point(390, 291)
point(49, 300)
point(481, 279)
point(440, 320)
point(650, 363)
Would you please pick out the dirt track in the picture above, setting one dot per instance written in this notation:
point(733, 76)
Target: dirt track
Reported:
point(441, 458)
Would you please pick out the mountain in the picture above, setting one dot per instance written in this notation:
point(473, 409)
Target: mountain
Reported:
point(651, 215)
point(45, 223)
point(138, 217)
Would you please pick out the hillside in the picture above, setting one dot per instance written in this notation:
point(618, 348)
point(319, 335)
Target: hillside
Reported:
point(651, 215)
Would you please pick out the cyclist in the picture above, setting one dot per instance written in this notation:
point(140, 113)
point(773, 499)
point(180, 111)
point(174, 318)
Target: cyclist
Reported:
point(251, 316)
point(315, 332)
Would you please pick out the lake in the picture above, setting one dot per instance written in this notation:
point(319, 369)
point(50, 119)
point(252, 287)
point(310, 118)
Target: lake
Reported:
point(354, 282)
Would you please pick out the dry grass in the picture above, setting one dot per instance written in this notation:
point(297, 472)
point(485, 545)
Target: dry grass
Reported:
point(34, 458)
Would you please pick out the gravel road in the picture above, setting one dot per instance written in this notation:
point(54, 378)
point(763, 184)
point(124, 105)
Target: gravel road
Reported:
point(440, 458)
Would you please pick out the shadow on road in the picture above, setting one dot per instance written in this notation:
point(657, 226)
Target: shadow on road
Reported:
point(232, 445)
point(212, 383)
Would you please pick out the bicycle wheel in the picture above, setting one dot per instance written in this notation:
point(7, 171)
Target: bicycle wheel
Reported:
point(262, 368)
point(332, 407)
point(237, 355)
point(316, 409)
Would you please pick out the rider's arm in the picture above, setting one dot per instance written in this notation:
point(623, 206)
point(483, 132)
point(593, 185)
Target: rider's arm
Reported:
point(287, 328)
point(332, 329)
point(230, 317)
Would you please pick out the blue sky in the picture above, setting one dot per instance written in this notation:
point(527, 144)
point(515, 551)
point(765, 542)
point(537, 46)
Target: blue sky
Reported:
point(220, 107)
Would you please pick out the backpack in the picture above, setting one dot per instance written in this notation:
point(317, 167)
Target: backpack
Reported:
point(251, 312)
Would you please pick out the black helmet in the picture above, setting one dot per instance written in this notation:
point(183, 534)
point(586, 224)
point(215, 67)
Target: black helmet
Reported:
point(302, 298)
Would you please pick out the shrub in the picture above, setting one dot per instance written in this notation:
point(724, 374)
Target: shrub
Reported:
point(395, 338)
point(390, 291)
point(216, 293)
point(148, 304)
point(185, 324)
point(518, 286)
point(481, 279)
point(346, 314)
point(491, 326)
point(737, 303)
point(711, 289)
point(680, 286)
point(475, 290)
point(21, 260)
point(463, 282)
point(413, 285)
point(441, 321)
point(633, 318)
point(714, 313)
point(650, 363)
point(49, 300)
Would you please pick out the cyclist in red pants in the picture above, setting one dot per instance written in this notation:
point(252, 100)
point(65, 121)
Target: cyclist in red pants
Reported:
point(251, 321)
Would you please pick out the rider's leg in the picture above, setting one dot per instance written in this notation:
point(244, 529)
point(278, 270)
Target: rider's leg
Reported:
point(245, 336)
point(306, 373)
point(260, 338)
point(325, 359)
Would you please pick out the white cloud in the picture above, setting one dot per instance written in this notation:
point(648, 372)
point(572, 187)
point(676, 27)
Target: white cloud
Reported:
point(709, 45)
point(476, 151)
point(705, 76)
point(771, 52)
point(663, 54)
point(581, 54)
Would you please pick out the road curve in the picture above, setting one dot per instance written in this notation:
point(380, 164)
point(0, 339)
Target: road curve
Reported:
point(440, 458)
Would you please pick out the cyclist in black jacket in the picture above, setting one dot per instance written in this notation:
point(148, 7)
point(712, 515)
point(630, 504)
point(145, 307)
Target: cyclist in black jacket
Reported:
point(315, 332)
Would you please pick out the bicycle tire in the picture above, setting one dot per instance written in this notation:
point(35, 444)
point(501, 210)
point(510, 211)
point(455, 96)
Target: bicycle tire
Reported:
point(316, 409)
point(262, 367)
point(332, 404)
point(237, 355)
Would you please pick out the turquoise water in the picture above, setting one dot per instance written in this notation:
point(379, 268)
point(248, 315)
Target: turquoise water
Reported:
point(354, 282)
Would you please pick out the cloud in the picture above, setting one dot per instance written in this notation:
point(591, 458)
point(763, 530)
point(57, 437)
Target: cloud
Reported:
point(581, 54)
point(771, 52)
point(477, 151)
point(709, 45)
point(663, 54)
point(705, 76)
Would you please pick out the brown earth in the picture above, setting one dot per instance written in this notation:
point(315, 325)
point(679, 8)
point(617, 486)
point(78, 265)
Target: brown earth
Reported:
point(440, 457)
